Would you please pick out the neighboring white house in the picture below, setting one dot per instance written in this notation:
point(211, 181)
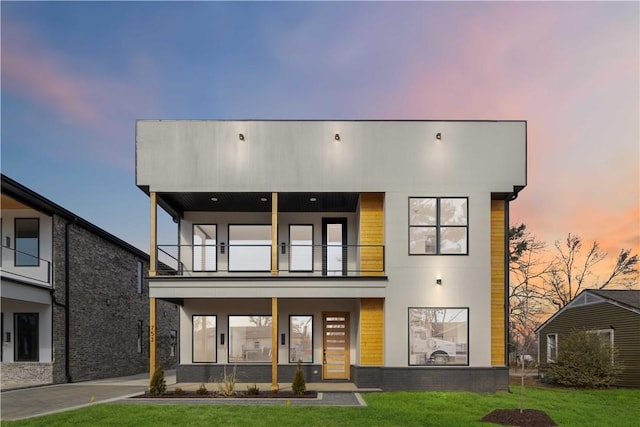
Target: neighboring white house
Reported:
point(371, 251)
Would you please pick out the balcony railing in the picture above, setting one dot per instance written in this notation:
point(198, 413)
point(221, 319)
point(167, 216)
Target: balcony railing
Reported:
point(255, 259)
point(29, 267)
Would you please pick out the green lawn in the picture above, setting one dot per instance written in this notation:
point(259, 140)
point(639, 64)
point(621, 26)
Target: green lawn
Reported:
point(566, 407)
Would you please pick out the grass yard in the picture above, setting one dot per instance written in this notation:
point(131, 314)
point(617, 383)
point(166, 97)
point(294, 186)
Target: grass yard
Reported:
point(566, 407)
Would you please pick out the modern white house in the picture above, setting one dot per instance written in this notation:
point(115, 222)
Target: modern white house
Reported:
point(373, 252)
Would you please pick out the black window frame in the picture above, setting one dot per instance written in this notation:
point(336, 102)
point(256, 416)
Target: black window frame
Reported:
point(438, 226)
point(433, 364)
point(229, 339)
point(17, 335)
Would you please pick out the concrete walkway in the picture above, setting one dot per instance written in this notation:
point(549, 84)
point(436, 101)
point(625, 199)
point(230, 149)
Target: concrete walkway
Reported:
point(38, 401)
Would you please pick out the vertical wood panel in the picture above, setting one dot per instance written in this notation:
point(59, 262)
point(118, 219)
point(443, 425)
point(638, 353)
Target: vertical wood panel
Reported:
point(371, 331)
point(498, 236)
point(372, 233)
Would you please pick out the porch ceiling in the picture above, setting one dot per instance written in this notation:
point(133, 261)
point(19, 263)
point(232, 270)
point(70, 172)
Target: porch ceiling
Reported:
point(259, 202)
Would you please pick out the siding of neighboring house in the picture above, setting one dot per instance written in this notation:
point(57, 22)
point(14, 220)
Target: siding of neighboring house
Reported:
point(626, 325)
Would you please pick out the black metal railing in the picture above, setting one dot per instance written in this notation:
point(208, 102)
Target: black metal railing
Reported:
point(22, 265)
point(298, 259)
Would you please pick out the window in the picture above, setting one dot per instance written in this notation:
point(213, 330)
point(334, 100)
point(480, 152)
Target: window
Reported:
point(301, 339)
point(438, 226)
point(438, 336)
point(139, 336)
point(26, 337)
point(249, 339)
point(301, 248)
point(250, 248)
point(27, 242)
point(204, 339)
point(606, 337)
point(552, 347)
point(139, 277)
point(204, 247)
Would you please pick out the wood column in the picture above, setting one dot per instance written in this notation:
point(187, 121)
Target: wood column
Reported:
point(274, 344)
point(372, 234)
point(498, 277)
point(274, 234)
point(152, 272)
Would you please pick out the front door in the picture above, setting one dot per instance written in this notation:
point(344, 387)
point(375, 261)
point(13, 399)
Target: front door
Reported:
point(334, 246)
point(335, 346)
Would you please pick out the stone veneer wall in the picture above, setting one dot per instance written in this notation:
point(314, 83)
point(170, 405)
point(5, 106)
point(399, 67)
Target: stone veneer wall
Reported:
point(20, 374)
point(104, 338)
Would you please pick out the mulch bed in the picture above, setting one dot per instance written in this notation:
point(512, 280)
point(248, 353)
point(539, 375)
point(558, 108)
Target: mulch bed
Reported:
point(239, 395)
point(513, 417)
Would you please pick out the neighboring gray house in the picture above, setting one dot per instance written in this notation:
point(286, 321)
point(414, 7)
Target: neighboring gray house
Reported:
point(75, 299)
point(371, 251)
point(614, 314)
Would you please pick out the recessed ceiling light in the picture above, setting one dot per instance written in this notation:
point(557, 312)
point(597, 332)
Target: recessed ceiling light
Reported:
point(313, 199)
point(214, 199)
point(263, 199)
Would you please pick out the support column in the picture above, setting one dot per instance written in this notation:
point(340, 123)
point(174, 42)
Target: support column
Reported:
point(274, 234)
point(274, 344)
point(152, 272)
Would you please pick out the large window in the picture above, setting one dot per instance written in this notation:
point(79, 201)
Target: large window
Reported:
point(250, 248)
point(438, 225)
point(301, 248)
point(552, 347)
point(249, 339)
point(438, 336)
point(27, 242)
point(204, 339)
point(301, 339)
point(26, 337)
point(606, 337)
point(204, 247)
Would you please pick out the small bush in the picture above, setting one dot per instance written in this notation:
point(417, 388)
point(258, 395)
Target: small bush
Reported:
point(178, 391)
point(253, 390)
point(299, 386)
point(585, 359)
point(157, 385)
point(227, 384)
point(202, 390)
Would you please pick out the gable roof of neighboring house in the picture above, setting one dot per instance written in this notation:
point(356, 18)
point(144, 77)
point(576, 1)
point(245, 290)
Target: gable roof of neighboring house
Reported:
point(627, 299)
point(34, 200)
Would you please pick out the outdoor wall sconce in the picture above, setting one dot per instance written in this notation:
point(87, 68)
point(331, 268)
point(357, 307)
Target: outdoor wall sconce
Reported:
point(108, 301)
point(283, 339)
point(439, 282)
point(7, 241)
point(283, 248)
point(7, 337)
point(221, 339)
point(241, 136)
point(337, 137)
point(438, 136)
point(222, 248)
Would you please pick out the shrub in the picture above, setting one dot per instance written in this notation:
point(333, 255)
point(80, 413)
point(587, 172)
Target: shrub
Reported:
point(253, 390)
point(178, 391)
point(299, 386)
point(157, 385)
point(585, 359)
point(202, 390)
point(228, 382)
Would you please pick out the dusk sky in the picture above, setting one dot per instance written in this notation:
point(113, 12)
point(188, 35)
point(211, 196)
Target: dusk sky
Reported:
point(76, 76)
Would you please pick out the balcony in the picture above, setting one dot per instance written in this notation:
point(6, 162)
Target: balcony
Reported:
point(222, 260)
point(25, 267)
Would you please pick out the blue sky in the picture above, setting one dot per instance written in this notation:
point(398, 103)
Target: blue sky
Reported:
point(76, 76)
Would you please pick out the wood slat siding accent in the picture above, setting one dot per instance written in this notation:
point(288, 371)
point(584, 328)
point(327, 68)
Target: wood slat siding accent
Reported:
point(371, 332)
point(371, 233)
point(498, 218)
point(626, 335)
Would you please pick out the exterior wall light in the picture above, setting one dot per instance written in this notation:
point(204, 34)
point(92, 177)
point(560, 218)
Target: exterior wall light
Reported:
point(337, 137)
point(439, 282)
point(438, 136)
point(241, 136)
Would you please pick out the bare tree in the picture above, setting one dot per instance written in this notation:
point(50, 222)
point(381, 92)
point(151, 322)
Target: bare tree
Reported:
point(571, 270)
point(526, 293)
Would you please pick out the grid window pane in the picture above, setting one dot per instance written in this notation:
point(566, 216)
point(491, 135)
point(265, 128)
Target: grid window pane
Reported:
point(453, 211)
point(453, 240)
point(422, 240)
point(422, 211)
